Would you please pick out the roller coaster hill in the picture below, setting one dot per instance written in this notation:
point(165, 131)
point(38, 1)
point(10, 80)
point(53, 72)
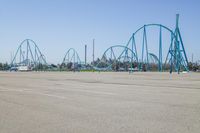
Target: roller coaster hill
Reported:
point(28, 57)
point(137, 54)
point(152, 47)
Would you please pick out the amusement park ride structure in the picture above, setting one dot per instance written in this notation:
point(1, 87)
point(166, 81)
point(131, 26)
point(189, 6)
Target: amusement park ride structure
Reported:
point(176, 56)
point(72, 56)
point(28, 56)
point(28, 53)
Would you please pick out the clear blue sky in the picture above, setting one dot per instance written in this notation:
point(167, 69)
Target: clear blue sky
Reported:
point(57, 25)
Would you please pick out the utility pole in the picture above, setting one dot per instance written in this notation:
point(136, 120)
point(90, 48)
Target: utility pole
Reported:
point(11, 58)
point(85, 54)
point(192, 57)
point(93, 50)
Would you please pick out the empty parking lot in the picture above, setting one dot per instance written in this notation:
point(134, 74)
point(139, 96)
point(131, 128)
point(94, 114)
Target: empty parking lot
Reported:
point(65, 102)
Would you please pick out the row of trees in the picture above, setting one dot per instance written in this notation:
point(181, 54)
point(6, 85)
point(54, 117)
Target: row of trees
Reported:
point(116, 66)
point(69, 66)
point(4, 66)
point(194, 66)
